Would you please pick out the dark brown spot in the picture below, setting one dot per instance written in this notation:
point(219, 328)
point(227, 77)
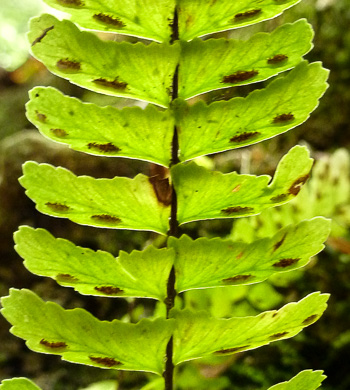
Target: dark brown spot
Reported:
point(71, 3)
point(109, 290)
point(68, 65)
point(111, 20)
point(279, 198)
point(283, 118)
point(59, 207)
point(105, 361)
point(40, 117)
point(54, 344)
point(245, 15)
point(59, 132)
point(283, 263)
point(232, 350)
point(310, 320)
point(115, 84)
point(106, 148)
point(244, 136)
point(277, 336)
point(278, 58)
point(106, 218)
point(297, 184)
point(239, 76)
point(279, 243)
point(42, 36)
point(237, 210)
point(238, 278)
point(275, 314)
point(66, 278)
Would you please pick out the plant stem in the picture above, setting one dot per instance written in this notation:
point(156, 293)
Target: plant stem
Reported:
point(174, 225)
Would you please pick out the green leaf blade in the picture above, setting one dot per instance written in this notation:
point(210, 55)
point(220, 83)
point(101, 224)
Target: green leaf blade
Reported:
point(119, 203)
point(203, 194)
point(241, 62)
point(215, 262)
point(139, 274)
point(246, 121)
point(80, 338)
point(305, 380)
point(18, 384)
point(131, 132)
point(197, 335)
point(112, 68)
point(198, 18)
point(145, 19)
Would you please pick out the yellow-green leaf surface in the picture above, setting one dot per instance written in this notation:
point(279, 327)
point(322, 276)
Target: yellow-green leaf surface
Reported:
point(201, 17)
point(203, 194)
point(136, 71)
point(18, 384)
point(305, 380)
point(139, 274)
point(119, 203)
point(198, 335)
point(283, 105)
point(220, 63)
point(131, 132)
point(215, 262)
point(141, 18)
point(81, 338)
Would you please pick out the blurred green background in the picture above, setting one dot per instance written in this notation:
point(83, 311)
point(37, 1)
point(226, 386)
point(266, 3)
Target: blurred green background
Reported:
point(325, 345)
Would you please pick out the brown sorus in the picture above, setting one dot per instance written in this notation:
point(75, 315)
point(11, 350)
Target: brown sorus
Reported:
point(59, 207)
point(66, 278)
point(54, 344)
point(74, 3)
point(278, 58)
point(41, 117)
point(42, 36)
point(59, 132)
point(283, 263)
point(107, 19)
point(296, 186)
point(237, 209)
point(244, 136)
point(239, 76)
point(109, 290)
point(283, 118)
point(69, 65)
point(106, 148)
point(310, 320)
point(277, 336)
point(115, 84)
point(279, 243)
point(106, 218)
point(245, 15)
point(105, 361)
point(237, 278)
point(279, 198)
point(232, 350)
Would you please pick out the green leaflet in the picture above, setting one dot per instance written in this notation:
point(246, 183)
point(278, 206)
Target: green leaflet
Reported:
point(203, 194)
point(80, 338)
point(283, 105)
point(131, 132)
point(139, 274)
point(119, 203)
point(18, 384)
point(215, 262)
point(141, 18)
point(197, 335)
point(305, 380)
point(112, 68)
point(201, 17)
point(241, 62)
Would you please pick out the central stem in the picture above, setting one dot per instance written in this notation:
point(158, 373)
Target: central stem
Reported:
point(174, 225)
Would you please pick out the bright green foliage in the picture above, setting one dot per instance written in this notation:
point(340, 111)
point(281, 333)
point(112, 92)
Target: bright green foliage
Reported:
point(216, 262)
point(201, 263)
point(112, 68)
point(305, 380)
point(18, 384)
point(180, 67)
point(81, 338)
point(197, 335)
point(97, 202)
point(244, 121)
point(203, 194)
point(131, 132)
point(241, 62)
